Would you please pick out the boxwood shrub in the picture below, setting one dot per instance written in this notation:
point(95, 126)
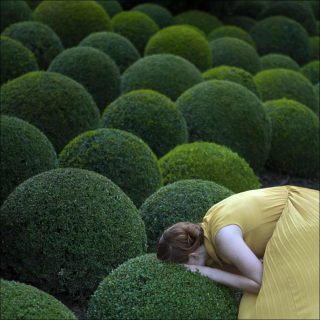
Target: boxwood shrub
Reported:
point(315, 48)
point(278, 60)
point(111, 7)
point(312, 71)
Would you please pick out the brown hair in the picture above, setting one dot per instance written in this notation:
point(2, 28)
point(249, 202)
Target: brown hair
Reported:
point(178, 241)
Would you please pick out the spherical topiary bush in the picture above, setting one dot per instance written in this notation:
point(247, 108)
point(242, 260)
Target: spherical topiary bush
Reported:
point(64, 230)
point(243, 22)
point(119, 48)
point(203, 20)
point(25, 152)
point(283, 83)
point(282, 35)
point(94, 69)
point(234, 52)
point(277, 60)
point(161, 15)
point(72, 20)
point(249, 8)
point(151, 116)
point(112, 7)
point(21, 301)
point(13, 11)
point(59, 106)
point(169, 74)
point(118, 155)
point(136, 26)
point(185, 200)
point(315, 48)
point(16, 59)
point(295, 138)
point(312, 71)
point(184, 42)
point(208, 161)
point(37, 37)
point(232, 74)
point(146, 288)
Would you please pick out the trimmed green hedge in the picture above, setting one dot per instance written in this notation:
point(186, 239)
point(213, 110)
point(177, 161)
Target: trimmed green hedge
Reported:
point(111, 7)
point(64, 230)
point(315, 48)
point(312, 71)
point(277, 60)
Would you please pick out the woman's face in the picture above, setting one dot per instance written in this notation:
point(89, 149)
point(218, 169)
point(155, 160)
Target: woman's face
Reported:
point(198, 257)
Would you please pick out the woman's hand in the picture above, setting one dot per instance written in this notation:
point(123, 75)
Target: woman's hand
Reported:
point(195, 268)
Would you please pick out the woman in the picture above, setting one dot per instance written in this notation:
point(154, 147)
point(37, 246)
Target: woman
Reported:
point(280, 225)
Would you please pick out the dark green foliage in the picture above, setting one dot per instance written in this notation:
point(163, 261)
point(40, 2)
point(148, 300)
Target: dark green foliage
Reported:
point(151, 116)
point(249, 8)
point(119, 48)
point(16, 59)
point(184, 42)
point(277, 60)
point(37, 37)
point(282, 35)
point(234, 52)
point(228, 114)
point(112, 7)
point(118, 155)
point(244, 23)
point(315, 48)
point(59, 106)
point(311, 70)
point(185, 200)
point(33, 3)
point(283, 83)
point(295, 138)
point(169, 74)
point(208, 161)
point(72, 20)
point(146, 288)
point(94, 69)
point(25, 151)
point(64, 230)
point(135, 26)
point(315, 7)
point(21, 301)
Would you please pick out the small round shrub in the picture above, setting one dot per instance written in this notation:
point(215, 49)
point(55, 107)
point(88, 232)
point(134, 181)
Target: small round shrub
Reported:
point(315, 48)
point(59, 106)
point(21, 301)
point(245, 23)
point(146, 288)
point(112, 7)
point(208, 161)
point(13, 11)
point(283, 83)
point(16, 59)
point(72, 20)
point(312, 71)
point(94, 69)
point(25, 151)
point(232, 74)
point(37, 37)
point(161, 15)
point(295, 138)
point(118, 155)
point(166, 73)
point(277, 60)
point(234, 52)
point(282, 35)
point(184, 42)
point(203, 20)
point(119, 48)
point(249, 8)
point(64, 230)
point(184, 200)
point(149, 115)
point(136, 26)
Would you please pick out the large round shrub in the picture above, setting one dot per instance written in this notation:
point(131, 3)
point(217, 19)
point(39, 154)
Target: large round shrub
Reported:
point(72, 20)
point(94, 69)
point(119, 48)
point(295, 138)
point(312, 71)
point(21, 301)
point(16, 59)
point(59, 106)
point(184, 200)
point(243, 22)
point(169, 74)
point(25, 151)
point(151, 116)
point(146, 288)
point(136, 26)
point(234, 52)
point(282, 35)
point(208, 161)
point(112, 7)
point(315, 48)
point(277, 60)
point(37, 37)
point(184, 42)
point(118, 155)
point(283, 83)
point(64, 230)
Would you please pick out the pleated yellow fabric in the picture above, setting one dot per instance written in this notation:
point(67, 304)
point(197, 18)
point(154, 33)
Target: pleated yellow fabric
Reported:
point(280, 224)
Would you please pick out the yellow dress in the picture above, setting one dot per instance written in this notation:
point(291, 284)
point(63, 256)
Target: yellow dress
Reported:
point(281, 225)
